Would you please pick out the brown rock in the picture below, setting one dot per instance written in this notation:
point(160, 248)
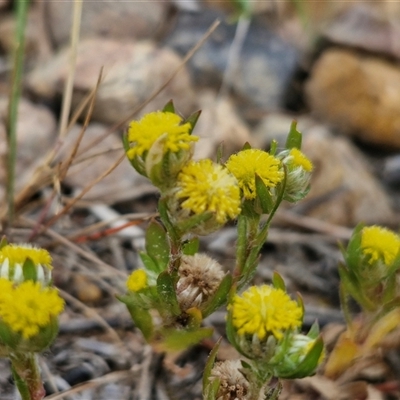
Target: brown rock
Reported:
point(358, 94)
point(132, 72)
point(108, 19)
point(98, 151)
point(343, 189)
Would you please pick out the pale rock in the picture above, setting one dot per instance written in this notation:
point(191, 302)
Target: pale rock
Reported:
point(36, 131)
point(343, 189)
point(219, 124)
point(368, 27)
point(357, 94)
point(98, 151)
point(124, 20)
point(132, 72)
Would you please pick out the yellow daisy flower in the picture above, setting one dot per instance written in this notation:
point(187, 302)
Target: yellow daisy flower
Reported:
point(28, 307)
point(264, 310)
point(137, 280)
point(204, 186)
point(247, 163)
point(144, 133)
point(380, 243)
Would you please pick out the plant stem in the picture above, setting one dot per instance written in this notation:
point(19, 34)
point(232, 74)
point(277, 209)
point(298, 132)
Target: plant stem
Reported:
point(12, 117)
point(26, 375)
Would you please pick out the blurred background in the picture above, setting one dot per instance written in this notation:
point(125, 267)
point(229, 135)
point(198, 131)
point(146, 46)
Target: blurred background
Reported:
point(331, 65)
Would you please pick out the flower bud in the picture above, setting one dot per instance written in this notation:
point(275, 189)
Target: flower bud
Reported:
point(298, 176)
point(299, 357)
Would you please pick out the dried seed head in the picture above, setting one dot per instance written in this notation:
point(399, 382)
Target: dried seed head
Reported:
point(233, 384)
point(199, 278)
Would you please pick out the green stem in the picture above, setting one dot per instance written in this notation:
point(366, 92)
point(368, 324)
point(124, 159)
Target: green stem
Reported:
point(22, 11)
point(26, 375)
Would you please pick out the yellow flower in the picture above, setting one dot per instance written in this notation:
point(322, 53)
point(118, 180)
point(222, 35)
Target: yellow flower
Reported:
point(380, 243)
point(13, 257)
point(137, 280)
point(208, 187)
point(28, 307)
point(144, 133)
point(262, 310)
point(247, 163)
point(298, 159)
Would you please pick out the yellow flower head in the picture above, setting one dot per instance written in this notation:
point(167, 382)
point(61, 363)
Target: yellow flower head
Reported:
point(247, 163)
point(137, 280)
point(144, 133)
point(28, 307)
point(13, 257)
point(380, 243)
point(298, 159)
point(208, 187)
point(263, 310)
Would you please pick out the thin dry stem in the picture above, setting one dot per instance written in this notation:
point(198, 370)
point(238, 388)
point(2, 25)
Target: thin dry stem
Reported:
point(69, 84)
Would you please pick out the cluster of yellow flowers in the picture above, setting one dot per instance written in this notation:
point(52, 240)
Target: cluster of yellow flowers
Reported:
point(161, 148)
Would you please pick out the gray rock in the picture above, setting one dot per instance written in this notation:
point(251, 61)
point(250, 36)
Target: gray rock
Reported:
point(266, 65)
point(108, 19)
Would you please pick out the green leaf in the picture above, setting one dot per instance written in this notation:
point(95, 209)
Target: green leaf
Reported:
point(232, 335)
point(3, 242)
point(211, 390)
point(273, 147)
point(210, 363)
point(294, 138)
point(278, 282)
point(314, 331)
point(191, 247)
point(220, 153)
point(246, 146)
point(192, 119)
point(191, 222)
point(166, 291)
point(353, 251)
point(169, 107)
point(142, 319)
point(264, 196)
point(220, 296)
point(29, 270)
point(125, 143)
point(175, 340)
point(157, 245)
point(148, 262)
